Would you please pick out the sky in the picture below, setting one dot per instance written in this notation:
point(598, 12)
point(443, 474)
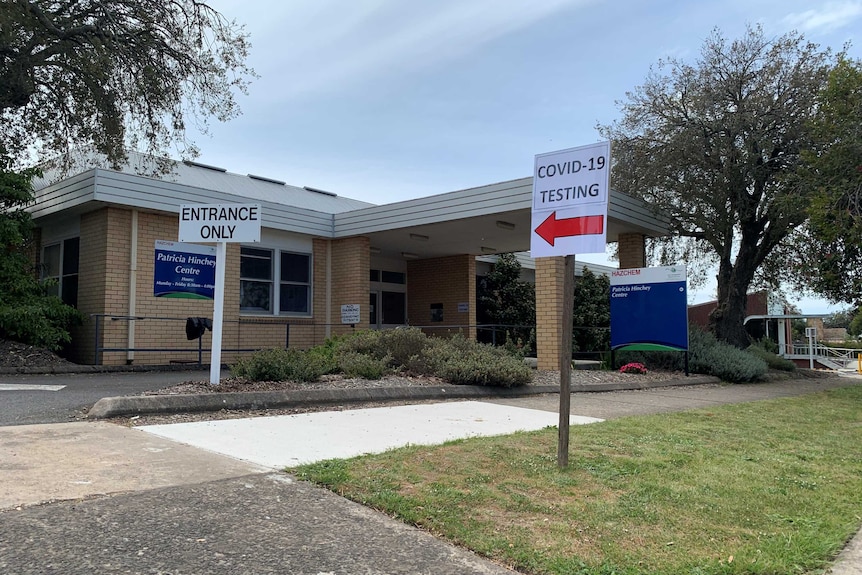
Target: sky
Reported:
point(388, 100)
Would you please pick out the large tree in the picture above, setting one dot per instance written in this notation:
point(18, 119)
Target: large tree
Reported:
point(833, 168)
point(114, 74)
point(715, 145)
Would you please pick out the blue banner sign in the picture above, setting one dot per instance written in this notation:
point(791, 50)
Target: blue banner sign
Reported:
point(184, 270)
point(649, 309)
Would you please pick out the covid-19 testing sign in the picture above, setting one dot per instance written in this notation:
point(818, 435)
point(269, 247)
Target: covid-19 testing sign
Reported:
point(649, 309)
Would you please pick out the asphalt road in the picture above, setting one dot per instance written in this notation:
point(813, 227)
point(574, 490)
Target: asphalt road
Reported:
point(28, 399)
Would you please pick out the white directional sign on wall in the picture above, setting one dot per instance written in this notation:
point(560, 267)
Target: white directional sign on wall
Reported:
point(570, 201)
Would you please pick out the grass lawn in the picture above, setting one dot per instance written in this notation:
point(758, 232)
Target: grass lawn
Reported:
point(766, 487)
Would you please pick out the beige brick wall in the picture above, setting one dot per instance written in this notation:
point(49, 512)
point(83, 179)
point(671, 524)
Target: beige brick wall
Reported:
point(351, 260)
point(91, 284)
point(549, 311)
point(448, 281)
point(165, 326)
point(632, 252)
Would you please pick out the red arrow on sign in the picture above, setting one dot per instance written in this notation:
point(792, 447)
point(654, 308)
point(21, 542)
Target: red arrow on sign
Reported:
point(552, 228)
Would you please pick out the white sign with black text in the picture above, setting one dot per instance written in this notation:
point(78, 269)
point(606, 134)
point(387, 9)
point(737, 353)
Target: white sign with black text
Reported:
point(570, 201)
point(220, 223)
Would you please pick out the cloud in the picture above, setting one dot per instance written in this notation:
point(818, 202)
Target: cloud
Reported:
point(327, 45)
point(831, 16)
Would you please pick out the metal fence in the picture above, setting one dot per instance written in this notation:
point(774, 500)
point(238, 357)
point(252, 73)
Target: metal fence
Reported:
point(273, 332)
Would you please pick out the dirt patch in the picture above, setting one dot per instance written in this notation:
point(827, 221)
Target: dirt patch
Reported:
point(14, 354)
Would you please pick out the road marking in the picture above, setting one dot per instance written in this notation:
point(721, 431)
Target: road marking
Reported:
point(27, 387)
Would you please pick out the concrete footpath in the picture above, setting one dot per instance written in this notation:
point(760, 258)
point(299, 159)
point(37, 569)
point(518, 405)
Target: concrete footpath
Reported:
point(95, 497)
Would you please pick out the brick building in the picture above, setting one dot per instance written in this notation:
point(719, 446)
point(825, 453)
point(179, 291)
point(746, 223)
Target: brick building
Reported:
point(412, 262)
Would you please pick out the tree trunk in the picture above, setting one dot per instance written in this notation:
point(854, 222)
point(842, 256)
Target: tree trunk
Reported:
point(726, 320)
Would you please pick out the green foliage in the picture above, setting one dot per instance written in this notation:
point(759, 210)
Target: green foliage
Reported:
point(400, 345)
point(855, 327)
point(839, 319)
point(591, 314)
point(27, 313)
point(326, 356)
point(466, 362)
point(706, 355)
point(715, 145)
point(372, 354)
point(281, 365)
point(833, 169)
point(115, 74)
point(353, 364)
point(766, 344)
point(502, 298)
point(772, 360)
point(727, 362)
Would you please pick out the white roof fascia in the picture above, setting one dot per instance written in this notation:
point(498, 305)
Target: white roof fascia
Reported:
point(147, 193)
point(63, 195)
point(491, 199)
point(482, 201)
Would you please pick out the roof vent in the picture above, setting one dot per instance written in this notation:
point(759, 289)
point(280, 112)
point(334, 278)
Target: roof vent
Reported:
point(204, 166)
point(319, 191)
point(270, 180)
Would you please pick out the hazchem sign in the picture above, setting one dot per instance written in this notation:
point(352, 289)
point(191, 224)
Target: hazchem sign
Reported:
point(184, 270)
point(570, 201)
point(219, 223)
point(649, 308)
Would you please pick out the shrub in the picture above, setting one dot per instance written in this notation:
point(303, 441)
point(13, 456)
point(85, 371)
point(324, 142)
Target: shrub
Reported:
point(281, 365)
point(326, 354)
point(354, 364)
point(772, 360)
point(712, 357)
point(706, 355)
point(465, 362)
point(399, 344)
point(766, 344)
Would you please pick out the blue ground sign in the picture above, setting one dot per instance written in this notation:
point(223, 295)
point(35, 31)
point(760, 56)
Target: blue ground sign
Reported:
point(184, 270)
point(649, 309)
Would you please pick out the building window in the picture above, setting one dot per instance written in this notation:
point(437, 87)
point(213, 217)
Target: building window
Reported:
point(258, 291)
point(295, 290)
point(60, 264)
point(255, 280)
point(393, 277)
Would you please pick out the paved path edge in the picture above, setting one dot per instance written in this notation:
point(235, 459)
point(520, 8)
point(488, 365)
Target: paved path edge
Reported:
point(182, 403)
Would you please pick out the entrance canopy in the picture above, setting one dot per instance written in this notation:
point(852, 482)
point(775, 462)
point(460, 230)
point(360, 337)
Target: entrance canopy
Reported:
point(485, 220)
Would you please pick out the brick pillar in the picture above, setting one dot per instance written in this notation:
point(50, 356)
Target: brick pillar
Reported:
point(549, 311)
point(448, 282)
point(632, 252)
point(351, 260)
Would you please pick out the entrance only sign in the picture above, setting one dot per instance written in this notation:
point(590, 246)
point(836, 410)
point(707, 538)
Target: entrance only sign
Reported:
point(220, 223)
point(570, 201)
